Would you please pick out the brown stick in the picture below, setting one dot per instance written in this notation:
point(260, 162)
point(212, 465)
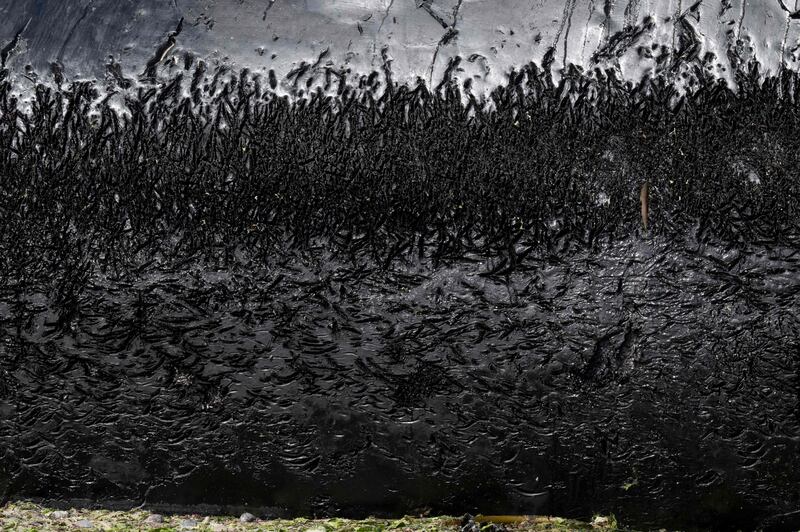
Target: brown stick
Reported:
point(644, 197)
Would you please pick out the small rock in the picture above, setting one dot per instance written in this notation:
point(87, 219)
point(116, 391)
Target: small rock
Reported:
point(84, 523)
point(247, 517)
point(154, 518)
point(59, 514)
point(600, 521)
point(218, 527)
point(468, 524)
point(188, 524)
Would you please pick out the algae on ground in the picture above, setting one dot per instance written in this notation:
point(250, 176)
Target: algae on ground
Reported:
point(26, 516)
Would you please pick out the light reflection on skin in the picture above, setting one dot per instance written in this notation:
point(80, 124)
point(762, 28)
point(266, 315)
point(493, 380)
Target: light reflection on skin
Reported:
point(280, 34)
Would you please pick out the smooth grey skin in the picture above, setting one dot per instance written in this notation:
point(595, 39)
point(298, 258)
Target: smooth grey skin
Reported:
point(418, 37)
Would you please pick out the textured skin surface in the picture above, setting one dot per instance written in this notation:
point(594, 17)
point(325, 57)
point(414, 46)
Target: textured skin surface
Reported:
point(637, 37)
point(398, 299)
point(669, 368)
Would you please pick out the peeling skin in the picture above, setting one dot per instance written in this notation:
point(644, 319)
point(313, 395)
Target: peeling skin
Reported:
point(9, 49)
point(789, 18)
point(426, 5)
point(238, 32)
point(621, 41)
point(608, 11)
point(270, 3)
point(162, 51)
point(731, 35)
point(632, 12)
point(586, 29)
point(676, 19)
point(689, 41)
point(566, 16)
point(385, 15)
point(724, 7)
point(322, 55)
point(793, 13)
point(380, 27)
point(449, 35)
point(742, 14)
point(783, 43)
point(456, 10)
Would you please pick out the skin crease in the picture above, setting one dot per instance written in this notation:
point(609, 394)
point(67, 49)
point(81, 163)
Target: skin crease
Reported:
point(644, 197)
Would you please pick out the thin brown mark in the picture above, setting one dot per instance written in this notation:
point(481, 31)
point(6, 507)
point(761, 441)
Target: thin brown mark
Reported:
point(644, 197)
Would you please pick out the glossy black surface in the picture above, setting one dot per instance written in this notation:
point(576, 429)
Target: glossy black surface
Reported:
point(395, 298)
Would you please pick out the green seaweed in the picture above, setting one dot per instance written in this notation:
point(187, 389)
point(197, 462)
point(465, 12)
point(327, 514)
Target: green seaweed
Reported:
point(26, 516)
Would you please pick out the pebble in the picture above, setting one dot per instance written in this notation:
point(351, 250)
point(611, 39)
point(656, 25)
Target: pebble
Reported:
point(468, 524)
point(154, 518)
point(188, 524)
point(84, 523)
point(59, 514)
point(247, 517)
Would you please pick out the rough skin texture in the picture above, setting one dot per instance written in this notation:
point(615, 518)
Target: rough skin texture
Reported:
point(380, 302)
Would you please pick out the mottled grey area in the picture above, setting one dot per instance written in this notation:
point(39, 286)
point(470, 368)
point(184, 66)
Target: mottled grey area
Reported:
point(418, 37)
point(656, 376)
point(652, 370)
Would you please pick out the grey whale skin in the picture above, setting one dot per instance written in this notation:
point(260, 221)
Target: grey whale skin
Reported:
point(420, 37)
point(385, 297)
